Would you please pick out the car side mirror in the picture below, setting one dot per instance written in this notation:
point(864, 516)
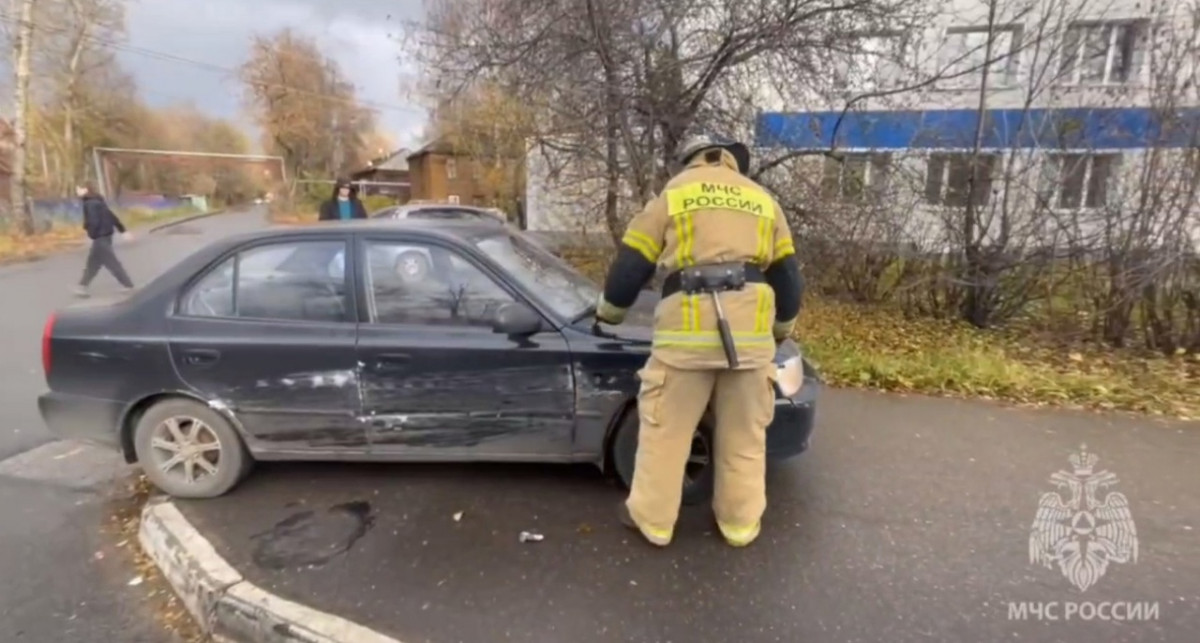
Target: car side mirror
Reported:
point(517, 320)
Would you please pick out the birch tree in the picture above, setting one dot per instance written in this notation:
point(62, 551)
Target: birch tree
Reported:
point(22, 53)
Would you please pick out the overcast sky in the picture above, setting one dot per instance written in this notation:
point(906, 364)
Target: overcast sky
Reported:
point(360, 34)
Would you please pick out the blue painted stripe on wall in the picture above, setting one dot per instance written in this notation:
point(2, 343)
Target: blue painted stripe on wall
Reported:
point(1076, 128)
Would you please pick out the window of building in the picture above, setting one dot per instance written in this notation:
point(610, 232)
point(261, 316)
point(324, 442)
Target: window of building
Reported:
point(877, 60)
point(855, 176)
point(1079, 181)
point(964, 56)
point(451, 169)
point(948, 178)
point(294, 281)
point(412, 283)
point(1103, 53)
point(453, 198)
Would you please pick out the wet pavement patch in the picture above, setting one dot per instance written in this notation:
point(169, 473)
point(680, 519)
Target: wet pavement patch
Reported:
point(312, 538)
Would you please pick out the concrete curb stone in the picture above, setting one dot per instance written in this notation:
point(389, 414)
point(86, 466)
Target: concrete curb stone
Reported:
point(224, 604)
point(188, 219)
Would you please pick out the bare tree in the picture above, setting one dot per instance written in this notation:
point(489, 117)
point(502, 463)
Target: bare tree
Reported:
point(88, 22)
point(624, 81)
point(1141, 274)
point(22, 55)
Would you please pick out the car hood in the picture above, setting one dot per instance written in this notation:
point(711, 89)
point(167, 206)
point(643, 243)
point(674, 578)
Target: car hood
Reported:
point(638, 326)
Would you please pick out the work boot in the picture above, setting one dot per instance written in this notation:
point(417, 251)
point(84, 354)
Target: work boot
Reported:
point(740, 537)
point(81, 291)
point(626, 519)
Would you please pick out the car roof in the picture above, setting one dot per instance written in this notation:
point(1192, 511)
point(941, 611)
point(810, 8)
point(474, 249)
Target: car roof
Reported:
point(408, 208)
point(448, 229)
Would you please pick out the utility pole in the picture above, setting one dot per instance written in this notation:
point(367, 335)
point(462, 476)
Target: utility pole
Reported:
point(332, 93)
point(22, 48)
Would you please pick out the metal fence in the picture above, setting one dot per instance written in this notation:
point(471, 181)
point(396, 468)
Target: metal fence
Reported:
point(71, 211)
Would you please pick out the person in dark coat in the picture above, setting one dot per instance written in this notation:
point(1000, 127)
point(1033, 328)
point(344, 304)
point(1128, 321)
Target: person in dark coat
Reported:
point(344, 204)
point(101, 223)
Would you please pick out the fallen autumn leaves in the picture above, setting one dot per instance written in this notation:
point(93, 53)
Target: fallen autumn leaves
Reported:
point(880, 348)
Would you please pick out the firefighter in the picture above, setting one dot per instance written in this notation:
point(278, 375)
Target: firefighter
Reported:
point(732, 292)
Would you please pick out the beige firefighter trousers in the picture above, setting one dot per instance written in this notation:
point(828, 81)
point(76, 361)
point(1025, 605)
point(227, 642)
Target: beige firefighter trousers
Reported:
point(671, 403)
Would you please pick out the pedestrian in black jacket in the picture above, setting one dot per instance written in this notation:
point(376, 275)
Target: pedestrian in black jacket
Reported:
point(100, 223)
point(344, 204)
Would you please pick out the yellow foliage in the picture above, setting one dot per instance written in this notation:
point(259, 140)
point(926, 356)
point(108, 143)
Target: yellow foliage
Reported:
point(16, 247)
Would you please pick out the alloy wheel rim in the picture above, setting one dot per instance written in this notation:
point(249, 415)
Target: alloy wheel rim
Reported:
point(187, 449)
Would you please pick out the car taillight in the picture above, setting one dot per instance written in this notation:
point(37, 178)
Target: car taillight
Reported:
point(47, 334)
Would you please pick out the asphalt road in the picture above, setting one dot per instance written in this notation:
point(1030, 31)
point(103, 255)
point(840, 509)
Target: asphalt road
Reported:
point(908, 521)
point(65, 577)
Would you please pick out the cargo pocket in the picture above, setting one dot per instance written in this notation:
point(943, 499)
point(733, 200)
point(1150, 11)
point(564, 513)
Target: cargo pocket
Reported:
point(650, 395)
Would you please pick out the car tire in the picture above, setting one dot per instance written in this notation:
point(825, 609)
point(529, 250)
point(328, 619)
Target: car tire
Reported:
point(699, 480)
point(173, 436)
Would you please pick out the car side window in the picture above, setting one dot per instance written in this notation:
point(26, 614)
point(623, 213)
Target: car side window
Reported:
point(294, 281)
point(411, 283)
point(212, 295)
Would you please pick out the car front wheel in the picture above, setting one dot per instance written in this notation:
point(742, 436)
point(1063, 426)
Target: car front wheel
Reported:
point(697, 475)
point(189, 450)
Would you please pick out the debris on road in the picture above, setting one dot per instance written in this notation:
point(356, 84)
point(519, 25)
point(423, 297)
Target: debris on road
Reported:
point(136, 581)
point(458, 516)
point(529, 536)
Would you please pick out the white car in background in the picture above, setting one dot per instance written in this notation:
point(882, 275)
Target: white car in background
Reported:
point(441, 211)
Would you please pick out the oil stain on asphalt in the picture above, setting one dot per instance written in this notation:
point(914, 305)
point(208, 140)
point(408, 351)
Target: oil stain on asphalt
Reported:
point(313, 538)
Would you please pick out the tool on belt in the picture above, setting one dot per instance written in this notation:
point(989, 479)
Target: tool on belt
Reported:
point(714, 279)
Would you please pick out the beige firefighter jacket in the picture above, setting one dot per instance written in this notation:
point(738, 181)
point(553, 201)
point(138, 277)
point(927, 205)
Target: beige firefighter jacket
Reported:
point(711, 213)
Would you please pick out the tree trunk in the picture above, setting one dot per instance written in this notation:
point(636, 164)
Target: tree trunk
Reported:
point(71, 156)
point(978, 304)
point(22, 47)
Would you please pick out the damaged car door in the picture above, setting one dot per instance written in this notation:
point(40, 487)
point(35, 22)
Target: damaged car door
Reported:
point(438, 380)
point(269, 333)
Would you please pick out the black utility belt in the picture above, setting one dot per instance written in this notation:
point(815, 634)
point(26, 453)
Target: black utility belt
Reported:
point(713, 277)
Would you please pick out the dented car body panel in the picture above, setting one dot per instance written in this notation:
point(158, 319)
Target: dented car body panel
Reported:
point(358, 389)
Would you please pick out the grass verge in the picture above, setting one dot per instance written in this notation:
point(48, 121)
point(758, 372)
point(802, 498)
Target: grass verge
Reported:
point(15, 247)
point(879, 348)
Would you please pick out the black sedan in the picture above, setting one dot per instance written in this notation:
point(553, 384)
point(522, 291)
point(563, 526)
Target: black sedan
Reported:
point(367, 341)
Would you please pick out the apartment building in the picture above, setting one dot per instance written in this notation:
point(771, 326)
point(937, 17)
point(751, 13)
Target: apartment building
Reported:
point(1055, 109)
point(1076, 94)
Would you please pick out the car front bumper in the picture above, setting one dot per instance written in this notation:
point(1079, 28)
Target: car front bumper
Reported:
point(790, 433)
point(77, 417)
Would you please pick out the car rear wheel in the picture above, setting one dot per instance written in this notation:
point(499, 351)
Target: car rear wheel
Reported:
point(697, 475)
point(189, 450)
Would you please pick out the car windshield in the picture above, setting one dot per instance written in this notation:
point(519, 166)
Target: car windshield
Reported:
point(569, 293)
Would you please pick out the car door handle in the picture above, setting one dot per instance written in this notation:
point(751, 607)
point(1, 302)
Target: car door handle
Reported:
point(201, 356)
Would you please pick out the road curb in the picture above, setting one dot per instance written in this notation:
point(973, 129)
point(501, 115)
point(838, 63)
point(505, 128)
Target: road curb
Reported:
point(202, 215)
point(224, 604)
